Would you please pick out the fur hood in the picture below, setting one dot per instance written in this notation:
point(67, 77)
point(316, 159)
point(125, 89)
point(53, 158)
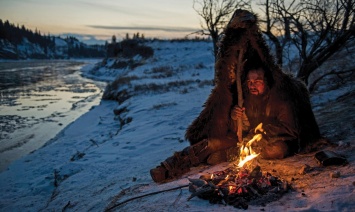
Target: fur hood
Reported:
point(242, 36)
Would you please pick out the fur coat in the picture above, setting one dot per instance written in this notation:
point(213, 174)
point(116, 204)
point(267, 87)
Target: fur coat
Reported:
point(242, 36)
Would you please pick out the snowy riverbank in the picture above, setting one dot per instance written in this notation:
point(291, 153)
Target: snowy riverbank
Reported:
point(39, 98)
point(95, 162)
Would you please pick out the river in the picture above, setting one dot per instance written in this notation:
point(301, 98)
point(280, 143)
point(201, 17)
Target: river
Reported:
point(38, 99)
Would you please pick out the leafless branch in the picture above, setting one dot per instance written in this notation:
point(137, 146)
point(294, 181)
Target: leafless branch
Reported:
point(215, 15)
point(317, 28)
point(332, 72)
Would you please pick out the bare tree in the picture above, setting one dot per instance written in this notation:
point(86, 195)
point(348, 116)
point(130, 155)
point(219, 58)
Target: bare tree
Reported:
point(215, 15)
point(317, 28)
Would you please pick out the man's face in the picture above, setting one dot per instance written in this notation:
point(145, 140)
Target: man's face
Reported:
point(255, 81)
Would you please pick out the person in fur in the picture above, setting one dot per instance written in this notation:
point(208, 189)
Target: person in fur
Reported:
point(283, 105)
point(262, 105)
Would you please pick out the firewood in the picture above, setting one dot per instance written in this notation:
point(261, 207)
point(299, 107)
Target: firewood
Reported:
point(197, 182)
point(237, 187)
point(255, 192)
point(200, 191)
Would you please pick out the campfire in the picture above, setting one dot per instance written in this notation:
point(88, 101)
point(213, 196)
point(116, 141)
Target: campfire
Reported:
point(237, 185)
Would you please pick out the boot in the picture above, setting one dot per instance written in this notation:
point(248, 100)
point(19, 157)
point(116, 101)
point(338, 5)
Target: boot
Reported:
point(226, 155)
point(217, 157)
point(276, 150)
point(180, 163)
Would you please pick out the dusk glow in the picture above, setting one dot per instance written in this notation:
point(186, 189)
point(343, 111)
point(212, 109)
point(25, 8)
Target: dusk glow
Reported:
point(89, 19)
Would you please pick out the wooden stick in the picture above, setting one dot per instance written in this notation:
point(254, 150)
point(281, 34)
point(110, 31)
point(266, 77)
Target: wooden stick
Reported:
point(144, 195)
point(240, 94)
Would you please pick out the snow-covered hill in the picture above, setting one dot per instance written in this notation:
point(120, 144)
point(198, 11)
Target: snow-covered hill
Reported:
point(60, 50)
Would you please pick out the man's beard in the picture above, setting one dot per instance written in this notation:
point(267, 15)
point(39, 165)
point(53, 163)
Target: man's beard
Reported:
point(255, 99)
point(255, 107)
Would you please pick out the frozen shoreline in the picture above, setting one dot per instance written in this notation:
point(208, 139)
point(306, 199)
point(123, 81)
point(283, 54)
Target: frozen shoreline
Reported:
point(93, 163)
point(30, 119)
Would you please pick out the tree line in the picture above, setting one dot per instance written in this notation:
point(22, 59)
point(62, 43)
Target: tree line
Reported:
point(16, 35)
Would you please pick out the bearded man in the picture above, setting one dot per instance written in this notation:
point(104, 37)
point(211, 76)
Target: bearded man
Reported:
point(271, 97)
point(263, 105)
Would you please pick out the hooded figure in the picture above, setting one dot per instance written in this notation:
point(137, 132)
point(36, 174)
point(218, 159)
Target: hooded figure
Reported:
point(284, 106)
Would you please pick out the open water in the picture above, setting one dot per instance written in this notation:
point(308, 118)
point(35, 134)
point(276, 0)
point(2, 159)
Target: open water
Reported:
point(37, 100)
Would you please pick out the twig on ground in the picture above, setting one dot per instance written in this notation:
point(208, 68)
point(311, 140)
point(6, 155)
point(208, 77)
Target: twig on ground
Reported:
point(178, 197)
point(144, 195)
point(66, 206)
point(94, 142)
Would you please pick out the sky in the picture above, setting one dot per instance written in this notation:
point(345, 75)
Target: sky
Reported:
point(100, 20)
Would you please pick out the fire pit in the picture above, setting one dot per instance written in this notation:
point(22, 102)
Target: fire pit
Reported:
point(238, 187)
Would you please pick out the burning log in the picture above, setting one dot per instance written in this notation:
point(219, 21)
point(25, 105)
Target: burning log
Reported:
point(238, 187)
point(199, 191)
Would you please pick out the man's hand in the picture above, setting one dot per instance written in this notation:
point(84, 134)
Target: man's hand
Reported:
point(237, 112)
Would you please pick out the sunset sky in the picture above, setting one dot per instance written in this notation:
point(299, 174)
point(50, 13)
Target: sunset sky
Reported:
point(94, 19)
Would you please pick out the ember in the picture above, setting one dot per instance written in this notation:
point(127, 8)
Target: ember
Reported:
point(238, 187)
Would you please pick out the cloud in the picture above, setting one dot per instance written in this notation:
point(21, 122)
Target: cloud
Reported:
point(108, 6)
point(146, 28)
point(85, 38)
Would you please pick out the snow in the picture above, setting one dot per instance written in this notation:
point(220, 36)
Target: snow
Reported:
point(59, 42)
point(95, 163)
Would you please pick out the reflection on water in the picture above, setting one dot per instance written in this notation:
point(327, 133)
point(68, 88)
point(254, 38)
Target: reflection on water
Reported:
point(37, 100)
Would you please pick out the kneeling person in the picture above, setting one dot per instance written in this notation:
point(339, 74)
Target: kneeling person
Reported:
point(262, 104)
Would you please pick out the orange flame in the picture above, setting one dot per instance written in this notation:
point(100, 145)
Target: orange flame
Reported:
point(259, 128)
point(246, 151)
